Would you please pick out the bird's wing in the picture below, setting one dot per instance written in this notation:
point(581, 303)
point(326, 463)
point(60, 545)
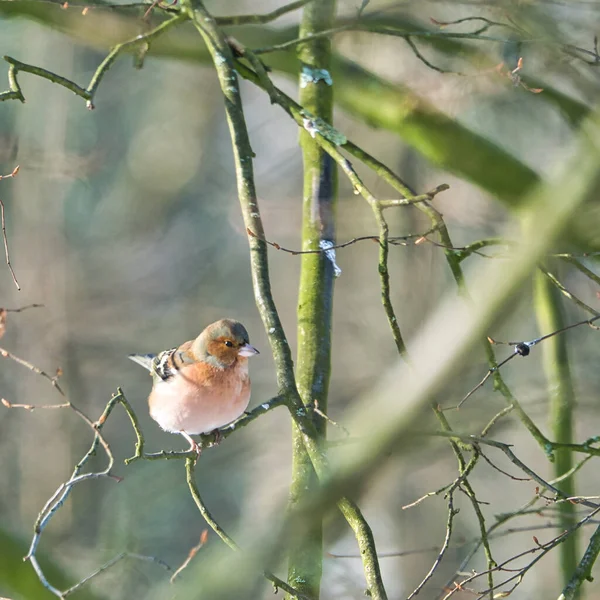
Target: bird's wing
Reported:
point(167, 363)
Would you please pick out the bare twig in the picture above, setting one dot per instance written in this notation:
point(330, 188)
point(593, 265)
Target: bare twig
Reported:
point(513, 458)
point(261, 19)
point(446, 489)
point(318, 411)
point(110, 564)
point(469, 542)
point(401, 240)
point(88, 93)
point(32, 407)
point(523, 349)
point(497, 468)
point(452, 512)
point(56, 501)
point(426, 62)
point(485, 378)
point(582, 268)
point(466, 487)
point(487, 22)
point(52, 379)
point(552, 333)
point(465, 251)
point(22, 308)
point(565, 292)
point(192, 553)
point(499, 415)
point(6, 252)
point(539, 549)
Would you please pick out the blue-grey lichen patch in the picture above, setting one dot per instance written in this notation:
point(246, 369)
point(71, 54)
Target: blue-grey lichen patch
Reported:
point(310, 75)
point(316, 125)
point(219, 59)
point(328, 246)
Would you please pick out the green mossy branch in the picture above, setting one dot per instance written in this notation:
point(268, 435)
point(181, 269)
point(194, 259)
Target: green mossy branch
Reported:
point(190, 471)
point(15, 92)
point(190, 464)
point(583, 572)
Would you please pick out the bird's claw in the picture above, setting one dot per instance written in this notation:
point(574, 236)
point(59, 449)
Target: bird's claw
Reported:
point(218, 437)
point(194, 445)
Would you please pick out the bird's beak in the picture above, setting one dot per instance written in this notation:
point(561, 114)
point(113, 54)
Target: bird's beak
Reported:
point(248, 350)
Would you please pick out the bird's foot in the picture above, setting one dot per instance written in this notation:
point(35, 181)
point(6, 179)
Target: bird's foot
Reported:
point(194, 445)
point(218, 437)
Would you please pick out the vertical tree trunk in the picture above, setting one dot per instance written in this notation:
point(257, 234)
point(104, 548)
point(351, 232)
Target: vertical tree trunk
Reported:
point(315, 298)
point(555, 359)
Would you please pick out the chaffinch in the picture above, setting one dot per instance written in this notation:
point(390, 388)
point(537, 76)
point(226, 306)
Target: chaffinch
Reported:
point(202, 385)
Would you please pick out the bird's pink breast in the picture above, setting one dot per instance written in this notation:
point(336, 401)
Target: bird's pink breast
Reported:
point(184, 404)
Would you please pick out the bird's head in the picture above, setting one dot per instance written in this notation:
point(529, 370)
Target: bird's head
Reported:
point(223, 343)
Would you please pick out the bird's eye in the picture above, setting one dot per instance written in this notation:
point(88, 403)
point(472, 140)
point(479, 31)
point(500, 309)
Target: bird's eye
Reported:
point(229, 344)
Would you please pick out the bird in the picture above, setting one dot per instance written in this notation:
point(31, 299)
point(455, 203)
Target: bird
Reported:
point(203, 384)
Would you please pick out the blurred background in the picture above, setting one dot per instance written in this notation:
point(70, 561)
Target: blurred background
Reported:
point(124, 223)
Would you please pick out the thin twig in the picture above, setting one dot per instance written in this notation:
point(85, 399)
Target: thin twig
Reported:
point(113, 562)
point(56, 501)
point(261, 19)
point(400, 240)
point(565, 292)
point(519, 573)
point(488, 22)
point(522, 349)
point(465, 251)
point(499, 415)
point(318, 411)
point(426, 62)
point(466, 487)
point(446, 489)
point(537, 340)
point(22, 308)
point(32, 407)
point(126, 46)
point(52, 379)
point(497, 468)
point(191, 554)
point(4, 237)
point(512, 457)
point(485, 378)
point(582, 268)
point(475, 540)
point(436, 563)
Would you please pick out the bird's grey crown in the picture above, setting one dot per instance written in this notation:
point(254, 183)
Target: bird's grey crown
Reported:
point(230, 327)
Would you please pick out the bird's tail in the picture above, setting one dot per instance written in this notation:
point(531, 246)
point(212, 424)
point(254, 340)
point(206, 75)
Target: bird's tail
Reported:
point(145, 360)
